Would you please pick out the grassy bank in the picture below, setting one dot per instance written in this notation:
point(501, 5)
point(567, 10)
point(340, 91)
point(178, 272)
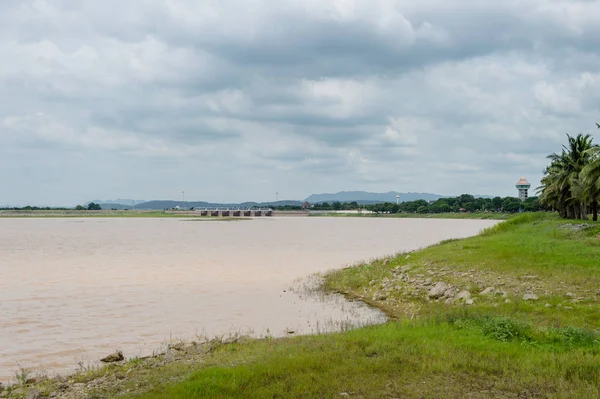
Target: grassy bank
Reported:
point(449, 215)
point(511, 313)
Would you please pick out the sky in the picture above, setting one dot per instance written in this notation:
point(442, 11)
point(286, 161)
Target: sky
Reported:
point(239, 100)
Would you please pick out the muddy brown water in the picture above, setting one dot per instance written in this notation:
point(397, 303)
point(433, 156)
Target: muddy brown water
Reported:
point(74, 290)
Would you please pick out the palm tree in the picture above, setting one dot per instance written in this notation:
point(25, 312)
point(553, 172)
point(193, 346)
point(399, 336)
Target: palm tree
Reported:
point(591, 178)
point(562, 187)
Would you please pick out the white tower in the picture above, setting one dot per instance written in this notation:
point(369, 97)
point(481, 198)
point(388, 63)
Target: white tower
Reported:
point(523, 186)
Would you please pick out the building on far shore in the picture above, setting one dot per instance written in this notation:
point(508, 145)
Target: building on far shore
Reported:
point(523, 188)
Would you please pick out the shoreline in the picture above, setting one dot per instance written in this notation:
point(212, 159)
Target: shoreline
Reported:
point(102, 376)
point(502, 311)
point(181, 351)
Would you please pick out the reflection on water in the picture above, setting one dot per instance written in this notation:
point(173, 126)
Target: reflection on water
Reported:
point(76, 289)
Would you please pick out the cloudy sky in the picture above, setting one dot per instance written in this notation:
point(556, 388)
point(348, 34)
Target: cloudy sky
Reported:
point(237, 100)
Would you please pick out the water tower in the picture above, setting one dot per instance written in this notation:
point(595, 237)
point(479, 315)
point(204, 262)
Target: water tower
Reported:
point(523, 186)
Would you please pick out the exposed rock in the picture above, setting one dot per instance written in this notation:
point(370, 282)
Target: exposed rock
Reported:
point(438, 290)
point(4, 394)
point(469, 301)
point(507, 300)
point(168, 356)
point(529, 277)
point(449, 293)
point(548, 305)
point(570, 295)
point(114, 357)
point(450, 301)
point(33, 394)
point(502, 292)
point(530, 297)
point(487, 291)
point(463, 295)
point(177, 346)
point(598, 292)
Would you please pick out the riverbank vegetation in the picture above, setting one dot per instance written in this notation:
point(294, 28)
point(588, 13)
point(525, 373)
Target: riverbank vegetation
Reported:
point(510, 313)
point(571, 183)
point(447, 215)
point(462, 204)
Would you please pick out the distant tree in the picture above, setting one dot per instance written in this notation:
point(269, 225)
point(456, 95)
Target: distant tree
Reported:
point(532, 204)
point(422, 209)
point(465, 199)
point(79, 208)
point(92, 206)
point(497, 203)
point(511, 204)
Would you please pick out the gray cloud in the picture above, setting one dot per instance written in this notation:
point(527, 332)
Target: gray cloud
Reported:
point(231, 100)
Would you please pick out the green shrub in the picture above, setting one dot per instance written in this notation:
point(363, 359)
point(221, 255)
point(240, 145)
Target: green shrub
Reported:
point(506, 329)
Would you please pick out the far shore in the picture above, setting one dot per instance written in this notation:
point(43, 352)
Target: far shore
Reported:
point(134, 213)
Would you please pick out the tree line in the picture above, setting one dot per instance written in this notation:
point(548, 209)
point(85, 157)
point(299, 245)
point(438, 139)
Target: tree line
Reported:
point(571, 183)
point(462, 203)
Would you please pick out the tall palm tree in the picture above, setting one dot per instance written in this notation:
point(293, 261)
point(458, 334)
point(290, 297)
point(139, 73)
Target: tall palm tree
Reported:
point(591, 178)
point(562, 187)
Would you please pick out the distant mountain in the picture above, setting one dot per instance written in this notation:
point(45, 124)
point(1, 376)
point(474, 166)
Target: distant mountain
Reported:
point(168, 204)
point(364, 197)
point(119, 201)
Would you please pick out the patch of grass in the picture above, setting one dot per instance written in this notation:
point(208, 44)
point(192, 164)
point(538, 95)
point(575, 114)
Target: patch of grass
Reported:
point(400, 359)
point(531, 253)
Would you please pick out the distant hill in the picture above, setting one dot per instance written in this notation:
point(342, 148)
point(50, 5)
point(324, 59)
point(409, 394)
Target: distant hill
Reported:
point(364, 197)
point(168, 204)
point(119, 201)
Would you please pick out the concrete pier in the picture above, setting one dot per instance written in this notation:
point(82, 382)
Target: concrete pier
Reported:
point(234, 212)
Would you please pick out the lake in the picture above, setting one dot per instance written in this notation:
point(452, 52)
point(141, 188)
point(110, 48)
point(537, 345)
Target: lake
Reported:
point(75, 289)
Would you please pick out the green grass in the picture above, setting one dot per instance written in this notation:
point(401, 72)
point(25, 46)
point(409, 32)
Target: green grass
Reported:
point(403, 359)
point(563, 261)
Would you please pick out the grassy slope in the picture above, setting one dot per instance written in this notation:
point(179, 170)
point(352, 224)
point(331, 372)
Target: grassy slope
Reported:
point(563, 261)
point(491, 349)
